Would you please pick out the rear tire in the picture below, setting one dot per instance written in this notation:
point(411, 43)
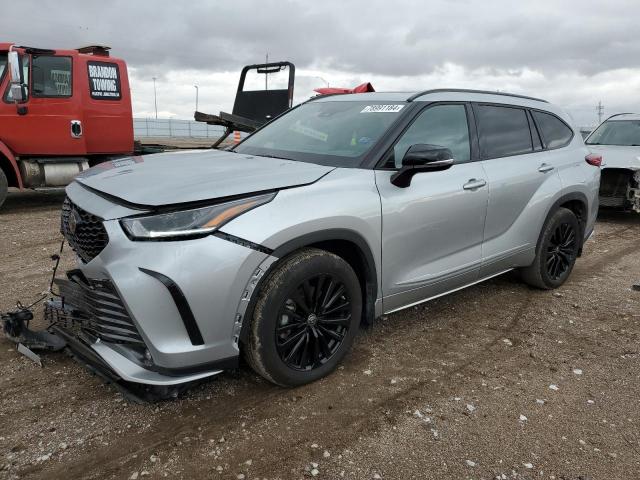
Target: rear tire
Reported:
point(556, 251)
point(305, 319)
point(4, 187)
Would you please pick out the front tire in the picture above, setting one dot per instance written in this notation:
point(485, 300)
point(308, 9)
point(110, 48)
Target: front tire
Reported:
point(4, 187)
point(305, 319)
point(556, 251)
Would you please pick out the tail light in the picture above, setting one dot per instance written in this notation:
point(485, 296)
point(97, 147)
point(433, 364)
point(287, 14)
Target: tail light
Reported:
point(593, 159)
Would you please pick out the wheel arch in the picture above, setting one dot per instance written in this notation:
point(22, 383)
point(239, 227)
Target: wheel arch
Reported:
point(576, 202)
point(348, 245)
point(9, 166)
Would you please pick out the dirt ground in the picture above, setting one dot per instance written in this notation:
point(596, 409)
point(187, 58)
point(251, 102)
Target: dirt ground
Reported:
point(495, 381)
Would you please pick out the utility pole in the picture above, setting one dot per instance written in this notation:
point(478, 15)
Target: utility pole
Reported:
point(266, 75)
point(196, 97)
point(155, 97)
point(600, 110)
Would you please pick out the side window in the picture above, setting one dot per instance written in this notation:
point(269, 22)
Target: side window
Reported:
point(3, 64)
point(51, 76)
point(554, 131)
point(503, 131)
point(104, 80)
point(8, 97)
point(442, 125)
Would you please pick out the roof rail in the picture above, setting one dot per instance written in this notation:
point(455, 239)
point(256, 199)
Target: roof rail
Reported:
point(101, 50)
point(618, 114)
point(464, 90)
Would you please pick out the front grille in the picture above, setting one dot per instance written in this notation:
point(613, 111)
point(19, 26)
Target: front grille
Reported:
point(84, 232)
point(612, 201)
point(92, 306)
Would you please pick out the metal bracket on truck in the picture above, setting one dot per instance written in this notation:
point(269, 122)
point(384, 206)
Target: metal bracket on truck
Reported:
point(253, 108)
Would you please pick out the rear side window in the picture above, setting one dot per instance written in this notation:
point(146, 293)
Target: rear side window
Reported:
point(104, 80)
point(554, 131)
point(503, 131)
point(51, 76)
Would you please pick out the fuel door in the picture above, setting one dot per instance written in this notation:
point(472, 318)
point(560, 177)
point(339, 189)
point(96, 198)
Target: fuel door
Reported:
point(76, 128)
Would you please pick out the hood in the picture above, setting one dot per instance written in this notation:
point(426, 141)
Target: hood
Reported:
point(616, 156)
point(195, 175)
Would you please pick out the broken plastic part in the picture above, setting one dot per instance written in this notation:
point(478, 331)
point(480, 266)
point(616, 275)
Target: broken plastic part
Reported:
point(634, 193)
point(29, 354)
point(15, 328)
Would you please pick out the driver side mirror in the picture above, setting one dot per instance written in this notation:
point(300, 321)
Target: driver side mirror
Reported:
point(422, 158)
point(18, 93)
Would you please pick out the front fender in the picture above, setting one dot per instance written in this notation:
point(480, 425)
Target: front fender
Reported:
point(343, 205)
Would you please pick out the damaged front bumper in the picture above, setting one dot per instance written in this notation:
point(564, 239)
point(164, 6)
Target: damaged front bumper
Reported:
point(634, 192)
point(91, 318)
point(620, 188)
point(159, 314)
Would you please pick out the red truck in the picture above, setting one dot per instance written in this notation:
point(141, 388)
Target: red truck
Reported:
point(62, 111)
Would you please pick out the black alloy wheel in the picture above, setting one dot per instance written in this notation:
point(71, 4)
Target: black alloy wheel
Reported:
point(556, 251)
point(561, 250)
point(305, 319)
point(312, 322)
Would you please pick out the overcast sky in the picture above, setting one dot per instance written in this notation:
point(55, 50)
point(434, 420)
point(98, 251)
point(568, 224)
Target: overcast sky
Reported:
point(573, 53)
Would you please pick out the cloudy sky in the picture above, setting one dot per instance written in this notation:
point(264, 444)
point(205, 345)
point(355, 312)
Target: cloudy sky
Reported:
point(574, 53)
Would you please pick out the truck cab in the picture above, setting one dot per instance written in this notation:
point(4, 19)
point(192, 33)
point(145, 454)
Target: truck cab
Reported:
point(61, 112)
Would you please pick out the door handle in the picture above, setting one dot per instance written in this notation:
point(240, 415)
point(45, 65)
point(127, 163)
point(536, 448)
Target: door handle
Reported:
point(545, 167)
point(474, 184)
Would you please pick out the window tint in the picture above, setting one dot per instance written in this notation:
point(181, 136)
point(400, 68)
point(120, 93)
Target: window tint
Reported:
point(554, 132)
point(503, 131)
point(51, 76)
point(442, 125)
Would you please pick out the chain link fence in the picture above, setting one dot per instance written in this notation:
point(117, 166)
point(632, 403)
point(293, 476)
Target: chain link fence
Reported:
point(173, 128)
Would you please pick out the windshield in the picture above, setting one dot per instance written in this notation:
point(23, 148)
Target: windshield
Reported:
point(617, 132)
point(336, 133)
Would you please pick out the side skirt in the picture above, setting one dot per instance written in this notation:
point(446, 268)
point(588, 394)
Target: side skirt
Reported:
point(449, 291)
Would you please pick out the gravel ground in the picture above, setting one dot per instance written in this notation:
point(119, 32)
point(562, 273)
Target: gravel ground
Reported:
point(496, 381)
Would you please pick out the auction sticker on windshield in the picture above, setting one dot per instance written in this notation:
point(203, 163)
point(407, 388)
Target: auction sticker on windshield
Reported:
point(382, 109)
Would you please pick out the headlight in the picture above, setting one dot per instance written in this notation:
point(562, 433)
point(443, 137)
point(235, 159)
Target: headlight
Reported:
point(196, 222)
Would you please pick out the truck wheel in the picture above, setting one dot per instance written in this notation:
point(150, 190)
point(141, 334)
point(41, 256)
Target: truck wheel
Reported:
point(4, 187)
point(305, 319)
point(556, 251)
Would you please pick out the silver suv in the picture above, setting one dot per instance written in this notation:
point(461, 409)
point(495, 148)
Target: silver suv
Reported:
point(341, 210)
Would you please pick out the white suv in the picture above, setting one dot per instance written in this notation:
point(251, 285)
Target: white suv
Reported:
point(617, 139)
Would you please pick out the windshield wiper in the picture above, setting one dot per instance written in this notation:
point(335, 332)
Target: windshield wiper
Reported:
point(273, 156)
